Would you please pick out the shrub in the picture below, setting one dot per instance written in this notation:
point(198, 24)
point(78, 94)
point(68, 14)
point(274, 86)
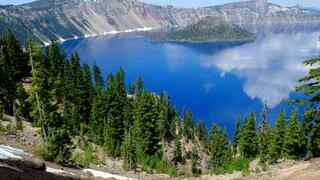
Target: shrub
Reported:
point(11, 129)
point(84, 158)
point(19, 124)
point(240, 164)
point(156, 163)
point(55, 146)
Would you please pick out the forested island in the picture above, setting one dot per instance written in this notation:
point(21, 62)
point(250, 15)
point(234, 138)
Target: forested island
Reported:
point(208, 29)
point(83, 118)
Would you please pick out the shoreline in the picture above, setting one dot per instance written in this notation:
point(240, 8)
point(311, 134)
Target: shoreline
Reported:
point(86, 36)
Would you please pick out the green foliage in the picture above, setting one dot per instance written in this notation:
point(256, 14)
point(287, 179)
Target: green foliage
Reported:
point(249, 141)
point(293, 138)
point(310, 85)
point(195, 160)
point(220, 150)
point(146, 132)
point(97, 77)
point(55, 148)
point(312, 131)
point(178, 153)
point(84, 158)
point(155, 162)
point(66, 100)
point(237, 135)
point(13, 68)
point(238, 164)
point(11, 129)
point(264, 137)
point(205, 31)
point(277, 146)
point(188, 125)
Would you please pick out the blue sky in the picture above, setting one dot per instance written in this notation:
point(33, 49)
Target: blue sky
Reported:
point(197, 3)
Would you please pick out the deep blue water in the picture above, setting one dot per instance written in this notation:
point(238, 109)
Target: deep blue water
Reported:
point(219, 82)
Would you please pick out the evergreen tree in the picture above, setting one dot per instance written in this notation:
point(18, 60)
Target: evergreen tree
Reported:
point(249, 142)
point(277, 138)
point(37, 91)
point(55, 65)
point(236, 139)
point(98, 115)
point(138, 86)
point(188, 124)
point(117, 102)
point(264, 137)
point(146, 132)
point(128, 150)
point(177, 152)
point(201, 131)
point(21, 101)
point(293, 137)
point(97, 77)
point(88, 93)
point(310, 87)
point(312, 131)
point(220, 153)
point(195, 161)
point(13, 68)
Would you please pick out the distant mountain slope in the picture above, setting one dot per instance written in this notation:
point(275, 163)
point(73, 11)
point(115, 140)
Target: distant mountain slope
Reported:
point(55, 19)
point(208, 29)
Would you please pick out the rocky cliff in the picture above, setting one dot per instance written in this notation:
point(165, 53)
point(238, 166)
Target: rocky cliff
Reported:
point(49, 20)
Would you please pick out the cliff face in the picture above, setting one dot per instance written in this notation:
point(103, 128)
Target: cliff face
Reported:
point(55, 19)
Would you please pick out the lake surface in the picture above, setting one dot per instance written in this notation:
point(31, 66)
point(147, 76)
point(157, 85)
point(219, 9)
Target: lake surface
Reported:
point(219, 82)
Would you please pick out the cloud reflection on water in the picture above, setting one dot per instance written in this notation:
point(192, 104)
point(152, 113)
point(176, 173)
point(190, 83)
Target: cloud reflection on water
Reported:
point(270, 67)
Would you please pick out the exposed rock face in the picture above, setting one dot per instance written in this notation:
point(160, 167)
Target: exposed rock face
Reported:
point(56, 19)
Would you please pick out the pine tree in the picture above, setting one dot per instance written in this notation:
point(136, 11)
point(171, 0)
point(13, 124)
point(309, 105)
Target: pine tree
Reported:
point(264, 137)
point(236, 139)
point(178, 152)
point(249, 142)
point(309, 85)
point(146, 132)
point(219, 150)
point(201, 131)
point(88, 93)
point(293, 138)
point(195, 160)
point(13, 68)
point(98, 115)
point(188, 124)
point(138, 86)
point(277, 138)
point(97, 77)
point(117, 116)
point(128, 150)
point(37, 91)
point(312, 131)
point(55, 65)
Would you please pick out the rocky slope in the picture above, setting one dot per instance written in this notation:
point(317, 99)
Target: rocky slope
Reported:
point(49, 20)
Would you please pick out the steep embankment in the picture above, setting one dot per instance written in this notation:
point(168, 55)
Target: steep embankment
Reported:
point(49, 20)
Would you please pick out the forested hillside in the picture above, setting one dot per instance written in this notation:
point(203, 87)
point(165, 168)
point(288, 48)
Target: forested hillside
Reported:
point(69, 100)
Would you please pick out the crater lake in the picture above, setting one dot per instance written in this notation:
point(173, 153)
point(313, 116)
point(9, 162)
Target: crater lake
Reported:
point(218, 82)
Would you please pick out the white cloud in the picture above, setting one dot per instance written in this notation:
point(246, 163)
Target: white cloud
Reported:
point(270, 68)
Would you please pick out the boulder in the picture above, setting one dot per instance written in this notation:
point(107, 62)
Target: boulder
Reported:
point(34, 163)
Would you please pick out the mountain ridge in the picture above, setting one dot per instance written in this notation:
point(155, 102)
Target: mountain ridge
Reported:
point(48, 20)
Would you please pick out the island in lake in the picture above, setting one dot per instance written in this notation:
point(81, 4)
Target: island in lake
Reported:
point(208, 29)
